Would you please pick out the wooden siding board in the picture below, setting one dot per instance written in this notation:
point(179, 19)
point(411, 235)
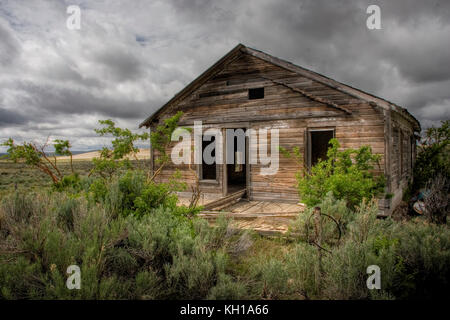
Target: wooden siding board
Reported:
point(282, 108)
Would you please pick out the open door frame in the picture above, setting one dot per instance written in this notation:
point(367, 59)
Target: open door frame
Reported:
point(242, 125)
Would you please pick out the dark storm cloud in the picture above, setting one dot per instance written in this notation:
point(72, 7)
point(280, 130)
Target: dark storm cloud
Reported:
point(8, 118)
point(132, 56)
point(46, 101)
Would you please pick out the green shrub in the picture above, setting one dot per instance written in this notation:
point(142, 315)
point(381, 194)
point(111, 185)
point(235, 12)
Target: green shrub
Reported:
point(433, 156)
point(304, 271)
point(303, 227)
point(70, 183)
point(348, 174)
point(132, 194)
point(272, 278)
point(65, 212)
point(424, 251)
point(155, 256)
point(227, 289)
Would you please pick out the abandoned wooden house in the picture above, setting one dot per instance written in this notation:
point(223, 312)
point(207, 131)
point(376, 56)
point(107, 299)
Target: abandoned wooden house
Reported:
point(249, 89)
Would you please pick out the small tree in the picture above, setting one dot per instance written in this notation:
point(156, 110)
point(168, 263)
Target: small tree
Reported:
point(433, 157)
point(35, 156)
point(62, 147)
point(123, 146)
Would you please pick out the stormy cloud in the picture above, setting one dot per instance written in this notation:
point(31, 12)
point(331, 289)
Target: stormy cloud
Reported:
point(130, 57)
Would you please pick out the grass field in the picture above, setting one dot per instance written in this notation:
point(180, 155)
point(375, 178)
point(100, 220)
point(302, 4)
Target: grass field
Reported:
point(43, 232)
point(14, 175)
point(19, 175)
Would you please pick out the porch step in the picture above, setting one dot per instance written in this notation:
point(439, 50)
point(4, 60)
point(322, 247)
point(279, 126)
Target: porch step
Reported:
point(224, 202)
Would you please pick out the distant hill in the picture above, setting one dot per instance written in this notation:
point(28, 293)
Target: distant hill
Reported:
point(143, 153)
point(51, 153)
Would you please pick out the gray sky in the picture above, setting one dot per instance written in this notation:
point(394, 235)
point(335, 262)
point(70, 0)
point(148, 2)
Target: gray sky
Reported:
point(132, 56)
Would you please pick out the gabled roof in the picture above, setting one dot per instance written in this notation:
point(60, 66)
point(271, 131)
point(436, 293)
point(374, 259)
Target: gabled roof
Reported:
point(240, 49)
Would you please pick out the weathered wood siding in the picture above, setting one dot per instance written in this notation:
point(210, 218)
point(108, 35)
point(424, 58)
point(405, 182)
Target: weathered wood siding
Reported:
point(401, 157)
point(224, 99)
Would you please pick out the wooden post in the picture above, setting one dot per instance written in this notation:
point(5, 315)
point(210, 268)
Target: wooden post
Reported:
point(318, 240)
point(318, 225)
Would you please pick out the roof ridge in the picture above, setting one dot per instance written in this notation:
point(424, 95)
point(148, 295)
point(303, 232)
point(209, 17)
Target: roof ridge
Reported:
point(315, 76)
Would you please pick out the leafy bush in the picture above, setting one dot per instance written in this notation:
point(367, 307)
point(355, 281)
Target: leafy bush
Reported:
point(70, 183)
point(348, 174)
point(132, 194)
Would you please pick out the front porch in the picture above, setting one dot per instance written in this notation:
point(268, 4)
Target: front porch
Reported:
point(264, 217)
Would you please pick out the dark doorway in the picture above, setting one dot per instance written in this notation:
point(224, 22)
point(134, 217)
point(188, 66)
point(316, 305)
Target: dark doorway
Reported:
point(319, 144)
point(209, 171)
point(237, 169)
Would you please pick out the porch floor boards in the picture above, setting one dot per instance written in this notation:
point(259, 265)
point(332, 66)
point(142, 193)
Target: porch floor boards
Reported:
point(265, 217)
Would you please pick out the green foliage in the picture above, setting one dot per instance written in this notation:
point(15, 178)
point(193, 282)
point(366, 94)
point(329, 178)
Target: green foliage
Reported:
point(132, 241)
point(227, 289)
point(111, 161)
point(413, 257)
point(132, 194)
point(438, 135)
point(274, 278)
point(106, 167)
point(36, 157)
point(424, 261)
point(433, 157)
point(165, 255)
point(348, 174)
point(31, 155)
point(71, 183)
point(303, 226)
point(161, 137)
point(157, 256)
point(27, 152)
point(62, 147)
point(123, 142)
